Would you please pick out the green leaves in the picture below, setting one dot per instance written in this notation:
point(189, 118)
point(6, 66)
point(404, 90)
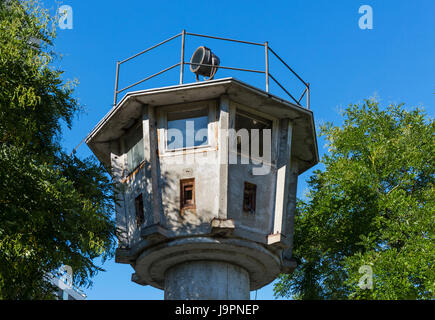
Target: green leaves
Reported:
point(46, 220)
point(33, 96)
point(54, 209)
point(372, 205)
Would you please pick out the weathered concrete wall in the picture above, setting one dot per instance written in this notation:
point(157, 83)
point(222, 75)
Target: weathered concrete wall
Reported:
point(200, 163)
point(206, 197)
point(136, 185)
point(117, 167)
point(260, 221)
point(206, 280)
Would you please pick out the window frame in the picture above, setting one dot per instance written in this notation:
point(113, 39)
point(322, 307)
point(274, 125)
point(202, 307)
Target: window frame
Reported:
point(199, 108)
point(246, 111)
point(190, 182)
point(138, 125)
point(162, 116)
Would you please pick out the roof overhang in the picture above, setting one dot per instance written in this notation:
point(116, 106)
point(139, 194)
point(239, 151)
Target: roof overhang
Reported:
point(129, 109)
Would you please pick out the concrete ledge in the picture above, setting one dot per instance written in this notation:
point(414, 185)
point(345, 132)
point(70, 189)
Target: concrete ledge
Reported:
point(154, 233)
point(278, 240)
point(135, 278)
point(288, 265)
point(262, 264)
point(244, 233)
point(123, 256)
point(222, 227)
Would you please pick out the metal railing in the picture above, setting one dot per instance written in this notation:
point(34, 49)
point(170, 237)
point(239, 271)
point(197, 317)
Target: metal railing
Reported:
point(184, 35)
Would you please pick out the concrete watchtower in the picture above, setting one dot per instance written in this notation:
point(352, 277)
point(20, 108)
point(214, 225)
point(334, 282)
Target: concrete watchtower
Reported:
point(207, 175)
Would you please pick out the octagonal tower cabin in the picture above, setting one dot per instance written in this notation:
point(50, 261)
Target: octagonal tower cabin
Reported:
point(193, 218)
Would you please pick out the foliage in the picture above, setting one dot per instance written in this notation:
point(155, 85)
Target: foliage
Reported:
point(54, 209)
point(372, 205)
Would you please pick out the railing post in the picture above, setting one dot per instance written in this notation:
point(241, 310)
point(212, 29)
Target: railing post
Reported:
point(266, 51)
point(115, 98)
point(183, 35)
point(308, 96)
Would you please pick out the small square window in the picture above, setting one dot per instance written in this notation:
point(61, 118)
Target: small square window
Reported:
point(140, 217)
point(249, 197)
point(187, 194)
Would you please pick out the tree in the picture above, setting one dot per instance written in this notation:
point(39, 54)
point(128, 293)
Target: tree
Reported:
point(55, 209)
point(371, 210)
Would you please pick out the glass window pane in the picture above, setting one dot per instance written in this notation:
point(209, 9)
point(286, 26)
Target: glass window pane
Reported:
point(135, 156)
point(249, 122)
point(135, 147)
point(187, 129)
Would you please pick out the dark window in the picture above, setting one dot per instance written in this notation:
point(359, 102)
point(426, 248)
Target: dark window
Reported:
point(249, 197)
point(248, 121)
point(140, 218)
point(187, 196)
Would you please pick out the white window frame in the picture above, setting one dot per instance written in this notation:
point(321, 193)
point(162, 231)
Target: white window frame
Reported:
point(162, 116)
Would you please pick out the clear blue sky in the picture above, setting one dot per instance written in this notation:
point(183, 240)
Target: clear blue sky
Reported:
point(321, 40)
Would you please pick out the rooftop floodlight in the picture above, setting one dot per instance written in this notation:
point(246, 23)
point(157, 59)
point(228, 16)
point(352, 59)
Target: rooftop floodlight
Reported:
point(204, 63)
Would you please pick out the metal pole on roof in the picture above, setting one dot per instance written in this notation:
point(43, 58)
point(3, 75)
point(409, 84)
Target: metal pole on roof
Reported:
point(183, 36)
point(308, 96)
point(266, 51)
point(116, 84)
